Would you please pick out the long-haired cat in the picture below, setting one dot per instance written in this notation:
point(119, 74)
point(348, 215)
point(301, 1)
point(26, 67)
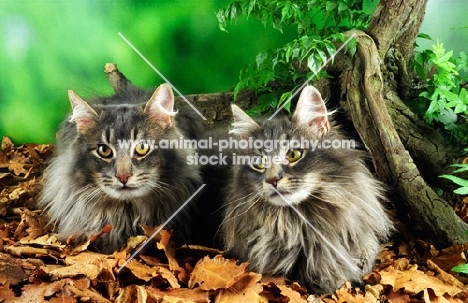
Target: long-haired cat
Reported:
point(312, 215)
point(107, 171)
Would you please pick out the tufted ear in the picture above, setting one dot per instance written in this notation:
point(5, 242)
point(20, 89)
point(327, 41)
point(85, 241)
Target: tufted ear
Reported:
point(243, 125)
point(311, 111)
point(84, 116)
point(160, 106)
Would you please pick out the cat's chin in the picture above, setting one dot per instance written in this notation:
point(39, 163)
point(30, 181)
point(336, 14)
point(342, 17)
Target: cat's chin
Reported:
point(126, 193)
point(286, 199)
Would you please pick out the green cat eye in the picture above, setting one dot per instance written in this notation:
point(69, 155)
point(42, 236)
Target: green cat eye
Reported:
point(258, 162)
point(104, 151)
point(294, 155)
point(141, 149)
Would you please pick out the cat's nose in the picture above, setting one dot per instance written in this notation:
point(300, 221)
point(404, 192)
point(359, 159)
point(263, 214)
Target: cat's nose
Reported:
point(273, 181)
point(123, 177)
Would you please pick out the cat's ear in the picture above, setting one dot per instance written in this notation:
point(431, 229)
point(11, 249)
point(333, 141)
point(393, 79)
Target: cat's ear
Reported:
point(84, 116)
point(160, 106)
point(243, 125)
point(311, 111)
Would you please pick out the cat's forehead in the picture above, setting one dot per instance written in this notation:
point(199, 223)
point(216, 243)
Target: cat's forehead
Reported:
point(280, 128)
point(122, 122)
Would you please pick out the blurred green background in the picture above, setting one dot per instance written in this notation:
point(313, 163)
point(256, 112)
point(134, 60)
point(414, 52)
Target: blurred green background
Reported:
point(47, 47)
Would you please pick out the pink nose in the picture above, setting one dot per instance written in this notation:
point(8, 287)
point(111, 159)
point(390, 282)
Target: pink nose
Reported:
point(273, 181)
point(123, 177)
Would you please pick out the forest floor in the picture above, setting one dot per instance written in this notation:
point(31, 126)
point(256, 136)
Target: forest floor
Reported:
point(36, 267)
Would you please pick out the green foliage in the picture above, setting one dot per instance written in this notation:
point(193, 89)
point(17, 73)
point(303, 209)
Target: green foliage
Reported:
point(463, 189)
point(445, 97)
point(320, 24)
point(461, 268)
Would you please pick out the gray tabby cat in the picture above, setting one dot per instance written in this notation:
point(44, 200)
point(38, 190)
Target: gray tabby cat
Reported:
point(315, 216)
point(94, 180)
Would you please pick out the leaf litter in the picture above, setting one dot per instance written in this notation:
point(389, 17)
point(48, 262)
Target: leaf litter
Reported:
point(36, 267)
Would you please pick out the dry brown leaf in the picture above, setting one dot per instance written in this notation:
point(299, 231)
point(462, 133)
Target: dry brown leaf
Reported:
point(216, 273)
point(7, 144)
point(12, 269)
point(398, 297)
point(415, 281)
point(150, 260)
point(401, 264)
point(444, 276)
point(169, 276)
point(166, 244)
point(182, 295)
point(344, 294)
point(133, 242)
point(37, 293)
point(47, 240)
point(6, 293)
point(140, 271)
point(373, 292)
point(30, 226)
point(450, 257)
point(107, 275)
point(86, 294)
point(294, 296)
point(23, 251)
point(136, 293)
point(86, 257)
point(91, 271)
point(247, 289)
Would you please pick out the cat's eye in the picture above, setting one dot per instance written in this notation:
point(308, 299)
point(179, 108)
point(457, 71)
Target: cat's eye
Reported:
point(141, 149)
point(294, 155)
point(258, 162)
point(104, 151)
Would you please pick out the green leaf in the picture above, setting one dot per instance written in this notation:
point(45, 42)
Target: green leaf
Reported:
point(261, 58)
point(449, 95)
point(461, 168)
point(342, 7)
point(331, 5)
point(424, 36)
point(456, 180)
point(285, 12)
point(461, 268)
point(461, 191)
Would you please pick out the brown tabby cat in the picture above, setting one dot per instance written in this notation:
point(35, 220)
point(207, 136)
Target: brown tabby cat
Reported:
point(315, 215)
point(103, 174)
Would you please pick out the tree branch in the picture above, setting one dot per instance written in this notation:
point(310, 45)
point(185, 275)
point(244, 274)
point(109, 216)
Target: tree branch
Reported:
point(430, 215)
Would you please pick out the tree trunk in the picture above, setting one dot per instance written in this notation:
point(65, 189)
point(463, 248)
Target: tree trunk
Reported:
point(383, 122)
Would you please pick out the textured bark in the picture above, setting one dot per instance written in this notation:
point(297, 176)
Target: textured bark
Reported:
point(394, 28)
point(424, 211)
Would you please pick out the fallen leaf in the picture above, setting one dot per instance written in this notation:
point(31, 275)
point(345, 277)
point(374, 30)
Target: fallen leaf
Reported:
point(183, 295)
point(166, 244)
point(136, 293)
point(216, 273)
point(398, 297)
point(415, 281)
point(247, 289)
point(444, 276)
point(294, 296)
point(12, 269)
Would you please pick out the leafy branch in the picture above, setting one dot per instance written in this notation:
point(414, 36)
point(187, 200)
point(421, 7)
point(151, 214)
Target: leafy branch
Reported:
point(277, 72)
point(445, 89)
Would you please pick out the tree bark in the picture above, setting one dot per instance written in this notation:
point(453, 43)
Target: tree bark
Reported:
point(378, 112)
point(423, 211)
